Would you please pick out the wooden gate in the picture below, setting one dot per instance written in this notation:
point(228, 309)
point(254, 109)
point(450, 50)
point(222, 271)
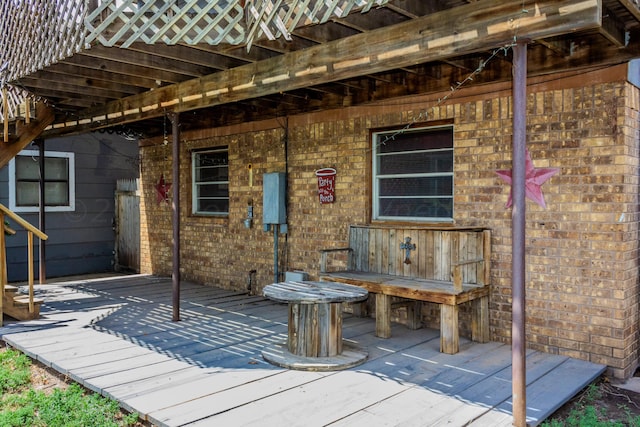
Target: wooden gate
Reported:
point(127, 226)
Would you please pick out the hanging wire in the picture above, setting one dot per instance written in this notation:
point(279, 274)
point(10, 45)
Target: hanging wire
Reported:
point(423, 116)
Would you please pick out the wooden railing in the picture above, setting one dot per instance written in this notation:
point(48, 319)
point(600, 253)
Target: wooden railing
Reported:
point(31, 231)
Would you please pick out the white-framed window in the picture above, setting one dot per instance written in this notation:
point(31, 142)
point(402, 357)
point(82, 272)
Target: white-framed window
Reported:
point(210, 179)
point(413, 174)
point(59, 182)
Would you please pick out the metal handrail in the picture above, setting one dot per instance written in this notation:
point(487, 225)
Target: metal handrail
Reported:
point(31, 230)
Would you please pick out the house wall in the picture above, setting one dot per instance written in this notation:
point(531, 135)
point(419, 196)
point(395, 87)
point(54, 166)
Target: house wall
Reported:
point(581, 251)
point(81, 241)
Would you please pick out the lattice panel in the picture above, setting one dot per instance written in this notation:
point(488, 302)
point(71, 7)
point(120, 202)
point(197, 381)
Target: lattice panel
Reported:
point(276, 18)
point(37, 33)
point(166, 21)
point(123, 22)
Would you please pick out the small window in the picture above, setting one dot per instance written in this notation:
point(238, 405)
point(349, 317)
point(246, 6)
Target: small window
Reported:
point(413, 175)
point(210, 182)
point(59, 182)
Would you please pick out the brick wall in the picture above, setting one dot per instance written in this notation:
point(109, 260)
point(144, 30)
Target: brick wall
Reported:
point(582, 251)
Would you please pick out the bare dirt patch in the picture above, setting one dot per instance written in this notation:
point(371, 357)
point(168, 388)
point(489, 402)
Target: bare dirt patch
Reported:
point(618, 404)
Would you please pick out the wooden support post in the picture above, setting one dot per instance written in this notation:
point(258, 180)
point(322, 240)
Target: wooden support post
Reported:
point(5, 114)
point(518, 216)
point(414, 314)
point(449, 334)
point(175, 208)
point(42, 276)
point(30, 267)
point(383, 316)
point(480, 319)
point(3, 266)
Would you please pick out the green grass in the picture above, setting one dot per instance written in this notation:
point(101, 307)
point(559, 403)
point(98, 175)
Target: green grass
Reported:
point(21, 405)
point(587, 413)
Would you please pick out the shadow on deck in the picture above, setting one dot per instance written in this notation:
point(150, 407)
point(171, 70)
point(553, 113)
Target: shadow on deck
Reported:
point(115, 336)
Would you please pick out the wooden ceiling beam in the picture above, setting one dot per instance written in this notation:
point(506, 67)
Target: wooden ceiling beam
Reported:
point(72, 89)
point(150, 60)
point(632, 7)
point(188, 54)
point(65, 70)
point(27, 133)
point(120, 68)
point(476, 27)
point(46, 79)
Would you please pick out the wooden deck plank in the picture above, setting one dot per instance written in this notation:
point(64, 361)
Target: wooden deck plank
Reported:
point(545, 393)
point(208, 369)
point(328, 399)
point(219, 400)
point(172, 396)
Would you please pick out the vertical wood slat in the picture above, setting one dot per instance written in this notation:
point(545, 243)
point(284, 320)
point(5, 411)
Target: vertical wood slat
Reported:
point(430, 256)
point(439, 253)
point(394, 248)
point(438, 249)
point(486, 253)
point(415, 263)
point(315, 330)
point(384, 255)
point(404, 267)
point(422, 253)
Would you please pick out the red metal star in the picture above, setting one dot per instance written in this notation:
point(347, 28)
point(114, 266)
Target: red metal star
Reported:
point(534, 179)
point(162, 188)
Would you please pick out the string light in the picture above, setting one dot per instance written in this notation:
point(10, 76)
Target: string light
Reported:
point(452, 90)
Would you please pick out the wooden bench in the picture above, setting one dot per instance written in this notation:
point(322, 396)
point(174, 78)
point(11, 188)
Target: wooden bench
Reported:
point(447, 266)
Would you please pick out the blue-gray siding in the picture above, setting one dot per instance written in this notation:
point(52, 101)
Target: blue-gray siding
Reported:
point(81, 241)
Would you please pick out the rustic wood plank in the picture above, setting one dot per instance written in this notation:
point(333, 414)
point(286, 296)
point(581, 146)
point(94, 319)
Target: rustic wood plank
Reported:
point(345, 396)
point(480, 319)
point(436, 291)
point(422, 252)
point(383, 315)
point(372, 250)
point(449, 330)
point(393, 252)
point(383, 255)
point(555, 387)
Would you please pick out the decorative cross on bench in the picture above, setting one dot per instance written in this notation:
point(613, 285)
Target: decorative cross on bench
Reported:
point(407, 246)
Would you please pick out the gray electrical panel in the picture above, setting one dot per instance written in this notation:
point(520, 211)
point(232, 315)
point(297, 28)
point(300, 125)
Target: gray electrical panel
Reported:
point(273, 197)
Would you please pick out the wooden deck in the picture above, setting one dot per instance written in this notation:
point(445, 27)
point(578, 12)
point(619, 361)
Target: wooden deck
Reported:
point(115, 336)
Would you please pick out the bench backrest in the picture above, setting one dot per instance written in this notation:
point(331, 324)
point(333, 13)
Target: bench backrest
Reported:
point(377, 249)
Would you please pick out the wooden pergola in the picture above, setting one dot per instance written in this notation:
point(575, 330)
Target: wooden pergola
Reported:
point(125, 65)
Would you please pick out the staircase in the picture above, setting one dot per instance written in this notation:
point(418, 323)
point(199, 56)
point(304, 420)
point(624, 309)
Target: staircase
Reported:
point(18, 306)
point(13, 304)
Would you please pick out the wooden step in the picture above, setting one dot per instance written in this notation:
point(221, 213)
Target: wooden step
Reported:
point(17, 306)
point(10, 289)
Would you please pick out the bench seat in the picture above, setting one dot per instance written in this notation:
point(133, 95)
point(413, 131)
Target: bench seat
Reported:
point(436, 291)
point(461, 255)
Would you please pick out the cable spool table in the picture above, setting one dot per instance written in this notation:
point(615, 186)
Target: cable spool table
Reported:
point(314, 340)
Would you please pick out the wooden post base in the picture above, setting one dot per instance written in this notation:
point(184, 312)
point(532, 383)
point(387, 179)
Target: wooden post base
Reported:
point(279, 355)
